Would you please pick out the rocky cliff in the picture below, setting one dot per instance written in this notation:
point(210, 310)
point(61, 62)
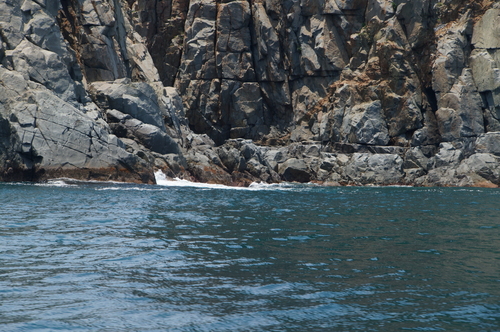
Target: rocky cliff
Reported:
point(334, 91)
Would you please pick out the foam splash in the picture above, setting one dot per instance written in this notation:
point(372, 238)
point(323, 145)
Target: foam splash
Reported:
point(69, 182)
point(56, 183)
point(161, 180)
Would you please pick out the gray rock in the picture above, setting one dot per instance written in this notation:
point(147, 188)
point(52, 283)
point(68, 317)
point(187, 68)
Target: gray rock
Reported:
point(448, 156)
point(452, 49)
point(234, 57)
point(486, 165)
point(366, 78)
point(382, 169)
point(450, 123)
point(274, 157)
point(152, 137)
point(231, 159)
point(381, 9)
point(50, 135)
point(198, 61)
point(266, 50)
point(429, 133)
point(443, 176)
point(485, 69)
point(294, 170)
point(364, 124)
point(247, 105)
point(45, 67)
point(139, 100)
point(489, 143)
point(491, 109)
point(487, 30)
point(12, 23)
point(415, 158)
point(461, 112)
point(403, 114)
point(321, 46)
point(306, 93)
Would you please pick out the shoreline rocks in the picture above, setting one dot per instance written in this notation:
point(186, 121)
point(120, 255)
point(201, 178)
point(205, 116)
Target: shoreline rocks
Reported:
point(336, 92)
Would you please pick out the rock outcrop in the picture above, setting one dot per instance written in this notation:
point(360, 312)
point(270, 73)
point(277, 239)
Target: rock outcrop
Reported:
point(339, 92)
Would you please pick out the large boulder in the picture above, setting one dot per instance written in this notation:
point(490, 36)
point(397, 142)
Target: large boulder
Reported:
point(148, 135)
point(485, 165)
point(487, 30)
point(294, 170)
point(382, 169)
point(136, 99)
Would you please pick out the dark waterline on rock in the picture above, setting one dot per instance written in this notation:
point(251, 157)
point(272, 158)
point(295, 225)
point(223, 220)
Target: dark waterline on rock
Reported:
point(127, 257)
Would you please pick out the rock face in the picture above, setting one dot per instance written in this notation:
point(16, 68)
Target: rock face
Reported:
point(342, 92)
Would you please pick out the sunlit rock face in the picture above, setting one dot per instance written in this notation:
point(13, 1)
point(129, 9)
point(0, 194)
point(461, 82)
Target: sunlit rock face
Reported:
point(334, 91)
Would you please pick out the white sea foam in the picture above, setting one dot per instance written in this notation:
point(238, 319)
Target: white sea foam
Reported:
point(55, 183)
point(125, 188)
point(161, 180)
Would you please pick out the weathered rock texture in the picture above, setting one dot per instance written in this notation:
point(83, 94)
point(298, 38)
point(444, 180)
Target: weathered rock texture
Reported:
point(334, 91)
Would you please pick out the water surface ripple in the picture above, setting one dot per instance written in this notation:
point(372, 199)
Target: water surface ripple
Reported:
point(110, 257)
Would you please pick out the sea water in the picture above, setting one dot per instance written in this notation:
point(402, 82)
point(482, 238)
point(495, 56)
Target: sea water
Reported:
point(182, 257)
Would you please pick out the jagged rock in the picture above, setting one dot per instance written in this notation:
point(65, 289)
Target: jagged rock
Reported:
point(139, 100)
point(381, 9)
point(294, 170)
point(328, 163)
point(487, 30)
point(321, 46)
point(452, 48)
point(413, 15)
point(204, 170)
point(47, 68)
point(461, 114)
point(353, 91)
point(43, 31)
point(54, 138)
point(100, 33)
point(266, 49)
point(231, 159)
point(448, 155)
point(485, 165)
point(489, 143)
point(234, 58)
point(365, 124)
point(274, 157)
point(247, 105)
point(152, 137)
point(429, 133)
point(485, 64)
point(443, 176)
point(306, 93)
point(485, 68)
point(11, 17)
point(198, 61)
point(415, 158)
point(382, 169)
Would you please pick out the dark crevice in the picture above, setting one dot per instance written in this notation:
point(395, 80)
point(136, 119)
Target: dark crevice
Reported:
point(487, 97)
point(431, 98)
point(121, 37)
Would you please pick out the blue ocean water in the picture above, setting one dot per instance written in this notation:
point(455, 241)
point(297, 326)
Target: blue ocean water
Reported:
point(124, 257)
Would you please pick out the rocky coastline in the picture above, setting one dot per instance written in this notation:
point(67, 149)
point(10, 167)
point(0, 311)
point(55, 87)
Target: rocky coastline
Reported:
point(336, 92)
